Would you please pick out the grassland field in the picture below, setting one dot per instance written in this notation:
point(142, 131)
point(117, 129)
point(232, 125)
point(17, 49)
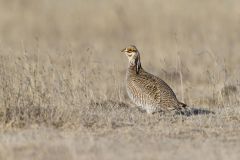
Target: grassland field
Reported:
point(62, 79)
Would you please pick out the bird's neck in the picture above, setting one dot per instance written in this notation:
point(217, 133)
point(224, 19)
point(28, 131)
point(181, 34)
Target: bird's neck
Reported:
point(134, 68)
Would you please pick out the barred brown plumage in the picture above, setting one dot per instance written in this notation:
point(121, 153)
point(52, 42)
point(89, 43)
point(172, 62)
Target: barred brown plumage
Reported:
point(146, 90)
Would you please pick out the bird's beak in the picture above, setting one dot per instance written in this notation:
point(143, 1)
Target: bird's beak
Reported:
point(123, 50)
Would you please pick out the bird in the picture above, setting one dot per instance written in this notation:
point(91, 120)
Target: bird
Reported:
point(146, 90)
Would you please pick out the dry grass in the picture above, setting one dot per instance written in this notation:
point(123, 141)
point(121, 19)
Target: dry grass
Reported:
point(62, 93)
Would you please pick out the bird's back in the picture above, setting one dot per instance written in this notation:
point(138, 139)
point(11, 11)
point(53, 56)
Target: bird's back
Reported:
point(151, 92)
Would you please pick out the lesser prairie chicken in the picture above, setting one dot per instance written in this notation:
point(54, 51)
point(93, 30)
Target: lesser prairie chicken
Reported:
point(146, 90)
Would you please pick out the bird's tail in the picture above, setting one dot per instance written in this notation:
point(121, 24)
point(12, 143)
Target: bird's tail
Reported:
point(183, 109)
point(182, 105)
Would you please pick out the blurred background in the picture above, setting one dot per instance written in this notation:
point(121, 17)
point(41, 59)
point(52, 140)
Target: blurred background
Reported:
point(196, 42)
point(195, 25)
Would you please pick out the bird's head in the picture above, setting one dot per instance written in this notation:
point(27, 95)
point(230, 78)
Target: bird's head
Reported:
point(133, 56)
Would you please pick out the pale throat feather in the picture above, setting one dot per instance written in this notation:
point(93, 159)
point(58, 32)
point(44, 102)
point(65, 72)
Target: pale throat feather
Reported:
point(135, 62)
point(132, 62)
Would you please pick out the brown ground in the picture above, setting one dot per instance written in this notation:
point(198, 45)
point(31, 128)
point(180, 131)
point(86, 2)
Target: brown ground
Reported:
point(62, 93)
